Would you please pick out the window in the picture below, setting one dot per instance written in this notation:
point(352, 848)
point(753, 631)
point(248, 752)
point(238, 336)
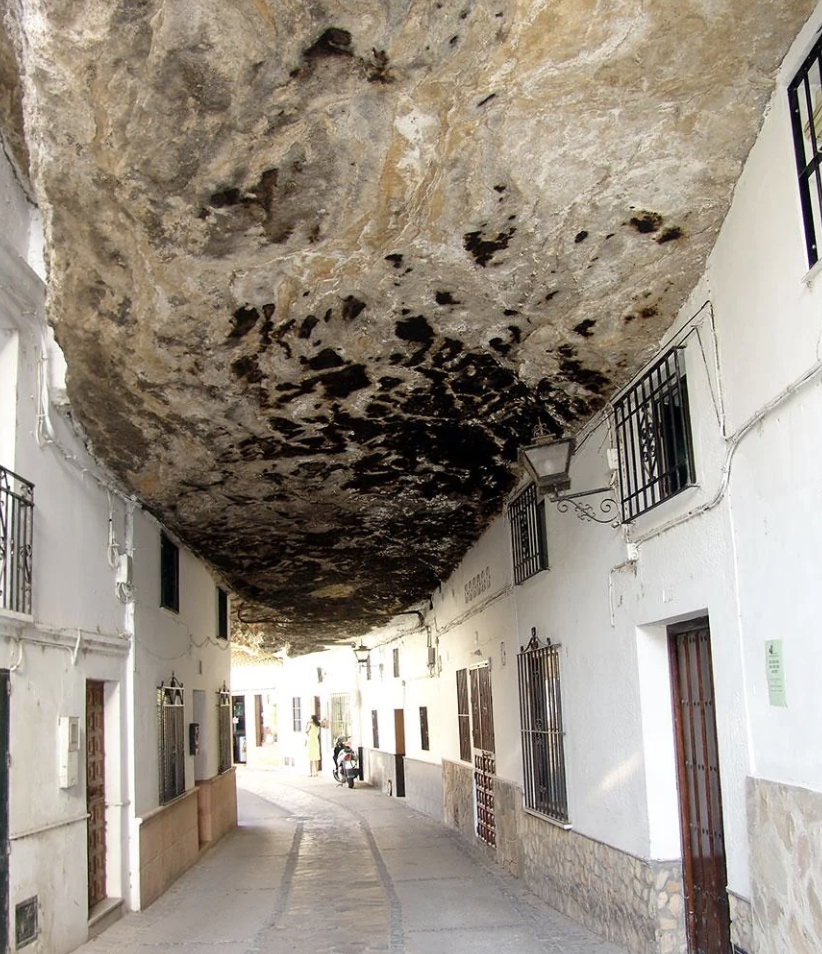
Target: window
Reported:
point(368, 668)
point(396, 664)
point(222, 613)
point(340, 716)
point(424, 740)
point(543, 751)
point(528, 534)
point(296, 714)
point(463, 715)
point(169, 574)
point(805, 99)
point(171, 720)
point(16, 537)
point(224, 729)
point(654, 437)
point(375, 728)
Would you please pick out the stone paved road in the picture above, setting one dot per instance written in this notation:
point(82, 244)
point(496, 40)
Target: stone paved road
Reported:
point(315, 868)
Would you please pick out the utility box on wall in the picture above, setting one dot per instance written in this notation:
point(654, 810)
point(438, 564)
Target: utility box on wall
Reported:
point(68, 742)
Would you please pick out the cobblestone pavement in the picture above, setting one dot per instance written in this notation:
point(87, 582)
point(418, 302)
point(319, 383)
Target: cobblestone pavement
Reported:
point(315, 868)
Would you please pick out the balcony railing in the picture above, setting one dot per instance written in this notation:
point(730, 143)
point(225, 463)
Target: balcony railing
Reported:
point(16, 532)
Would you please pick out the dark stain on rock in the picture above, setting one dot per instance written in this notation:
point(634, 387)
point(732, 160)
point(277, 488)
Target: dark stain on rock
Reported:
point(310, 322)
point(510, 312)
point(454, 40)
point(484, 249)
point(670, 235)
point(646, 222)
point(243, 320)
point(395, 258)
point(487, 99)
point(650, 312)
point(415, 328)
point(500, 188)
point(247, 368)
point(591, 380)
point(584, 327)
point(352, 307)
point(445, 298)
point(379, 71)
point(566, 350)
point(388, 383)
point(516, 334)
point(327, 358)
point(580, 236)
point(499, 345)
point(552, 294)
point(333, 42)
point(224, 198)
point(340, 384)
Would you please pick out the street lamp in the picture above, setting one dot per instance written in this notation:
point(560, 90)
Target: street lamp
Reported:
point(362, 653)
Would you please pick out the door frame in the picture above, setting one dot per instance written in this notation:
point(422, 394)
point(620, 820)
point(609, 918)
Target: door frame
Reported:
point(719, 911)
point(5, 735)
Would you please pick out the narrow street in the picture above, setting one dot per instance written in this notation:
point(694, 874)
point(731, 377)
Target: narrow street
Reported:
point(314, 867)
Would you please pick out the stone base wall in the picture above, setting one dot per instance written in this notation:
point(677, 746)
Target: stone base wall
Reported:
point(785, 835)
point(169, 845)
point(423, 787)
point(635, 903)
point(216, 807)
point(741, 924)
point(380, 770)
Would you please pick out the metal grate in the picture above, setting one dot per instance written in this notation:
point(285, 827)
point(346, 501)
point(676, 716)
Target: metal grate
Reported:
point(543, 751)
point(463, 715)
point(171, 742)
point(484, 771)
point(528, 542)
point(654, 437)
point(16, 532)
point(805, 100)
point(26, 927)
point(224, 728)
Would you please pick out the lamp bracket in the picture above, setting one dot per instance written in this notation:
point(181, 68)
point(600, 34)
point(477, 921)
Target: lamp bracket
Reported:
point(608, 507)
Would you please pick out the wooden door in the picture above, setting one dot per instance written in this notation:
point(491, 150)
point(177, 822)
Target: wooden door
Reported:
point(95, 792)
point(399, 751)
point(700, 797)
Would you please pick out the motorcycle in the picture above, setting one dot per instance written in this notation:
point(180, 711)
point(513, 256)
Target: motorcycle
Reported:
point(346, 764)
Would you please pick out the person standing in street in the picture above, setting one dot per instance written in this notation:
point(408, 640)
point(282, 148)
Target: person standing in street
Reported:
point(312, 745)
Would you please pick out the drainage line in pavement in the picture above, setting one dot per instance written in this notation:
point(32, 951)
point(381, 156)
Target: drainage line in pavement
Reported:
point(397, 939)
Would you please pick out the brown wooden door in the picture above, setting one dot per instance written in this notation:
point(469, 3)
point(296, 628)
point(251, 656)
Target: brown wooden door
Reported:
point(399, 751)
point(700, 797)
point(95, 792)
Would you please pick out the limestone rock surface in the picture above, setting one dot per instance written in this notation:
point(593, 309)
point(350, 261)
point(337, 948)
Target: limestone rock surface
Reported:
point(320, 268)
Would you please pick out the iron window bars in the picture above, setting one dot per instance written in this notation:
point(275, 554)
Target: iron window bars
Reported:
point(528, 541)
point(425, 741)
point(654, 437)
point(171, 741)
point(224, 728)
point(16, 533)
point(296, 713)
point(543, 749)
point(805, 101)
point(375, 727)
point(222, 613)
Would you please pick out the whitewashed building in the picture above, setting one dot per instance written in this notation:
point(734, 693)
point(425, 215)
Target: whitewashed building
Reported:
point(624, 712)
point(114, 656)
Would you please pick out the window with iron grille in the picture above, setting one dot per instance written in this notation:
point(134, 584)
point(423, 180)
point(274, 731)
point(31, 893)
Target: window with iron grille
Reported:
point(463, 715)
point(169, 574)
point(528, 543)
point(222, 613)
point(396, 656)
point(224, 729)
point(340, 716)
point(368, 668)
point(543, 750)
point(171, 742)
point(375, 728)
point(296, 714)
point(16, 537)
point(805, 100)
point(425, 744)
point(654, 437)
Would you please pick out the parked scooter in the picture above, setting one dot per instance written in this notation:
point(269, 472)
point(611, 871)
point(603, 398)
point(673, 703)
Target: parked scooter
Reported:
point(346, 764)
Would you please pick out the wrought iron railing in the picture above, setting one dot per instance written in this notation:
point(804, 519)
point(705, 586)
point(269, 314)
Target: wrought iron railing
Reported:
point(16, 533)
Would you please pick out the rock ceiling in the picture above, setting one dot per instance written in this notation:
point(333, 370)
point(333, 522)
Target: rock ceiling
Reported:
point(319, 267)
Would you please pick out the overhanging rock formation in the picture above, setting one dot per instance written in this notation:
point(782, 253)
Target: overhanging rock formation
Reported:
point(318, 269)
